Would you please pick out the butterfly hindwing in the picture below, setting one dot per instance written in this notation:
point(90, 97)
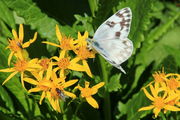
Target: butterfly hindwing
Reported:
point(117, 26)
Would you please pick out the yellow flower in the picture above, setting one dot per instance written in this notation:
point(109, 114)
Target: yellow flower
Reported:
point(52, 87)
point(82, 51)
point(87, 93)
point(16, 44)
point(66, 63)
point(20, 67)
point(160, 100)
point(172, 83)
point(66, 43)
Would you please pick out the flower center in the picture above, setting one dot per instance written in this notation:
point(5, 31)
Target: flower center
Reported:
point(21, 65)
point(159, 102)
point(66, 43)
point(84, 53)
point(173, 84)
point(86, 92)
point(63, 63)
point(14, 45)
point(158, 77)
point(45, 63)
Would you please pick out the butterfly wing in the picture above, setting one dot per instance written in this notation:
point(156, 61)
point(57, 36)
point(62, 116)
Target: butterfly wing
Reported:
point(115, 51)
point(110, 39)
point(117, 26)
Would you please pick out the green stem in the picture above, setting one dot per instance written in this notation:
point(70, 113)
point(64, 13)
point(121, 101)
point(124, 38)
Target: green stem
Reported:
point(107, 103)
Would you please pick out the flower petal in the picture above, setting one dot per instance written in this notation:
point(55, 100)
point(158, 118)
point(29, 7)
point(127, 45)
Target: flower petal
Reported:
point(171, 108)
point(50, 43)
point(7, 70)
point(21, 33)
point(31, 81)
point(58, 34)
point(42, 97)
point(9, 77)
point(15, 35)
point(148, 95)
point(156, 111)
point(146, 108)
point(87, 69)
point(69, 83)
point(69, 94)
point(92, 102)
point(10, 57)
point(37, 89)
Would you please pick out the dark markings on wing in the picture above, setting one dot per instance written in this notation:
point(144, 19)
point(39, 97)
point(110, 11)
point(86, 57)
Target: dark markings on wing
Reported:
point(110, 23)
point(117, 34)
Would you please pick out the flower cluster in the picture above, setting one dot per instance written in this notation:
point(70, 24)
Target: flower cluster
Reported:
point(165, 93)
point(50, 75)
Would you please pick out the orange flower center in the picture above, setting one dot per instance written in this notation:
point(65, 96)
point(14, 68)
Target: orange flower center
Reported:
point(86, 92)
point(158, 77)
point(173, 84)
point(45, 63)
point(14, 45)
point(21, 65)
point(63, 63)
point(159, 103)
point(66, 43)
point(84, 53)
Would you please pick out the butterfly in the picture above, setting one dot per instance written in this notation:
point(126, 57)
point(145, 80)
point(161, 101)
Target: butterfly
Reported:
point(110, 39)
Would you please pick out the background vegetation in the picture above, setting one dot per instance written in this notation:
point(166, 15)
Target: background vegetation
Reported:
point(155, 34)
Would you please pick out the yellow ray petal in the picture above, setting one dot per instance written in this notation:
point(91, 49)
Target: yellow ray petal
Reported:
point(7, 70)
point(62, 54)
point(10, 57)
point(86, 84)
point(148, 95)
point(22, 81)
point(69, 83)
point(9, 77)
point(42, 97)
point(37, 89)
point(153, 91)
point(75, 60)
point(92, 102)
point(31, 81)
point(21, 33)
point(50, 43)
point(49, 71)
point(156, 111)
point(146, 108)
point(87, 69)
point(58, 34)
point(15, 35)
point(171, 108)
point(99, 85)
point(76, 67)
point(69, 94)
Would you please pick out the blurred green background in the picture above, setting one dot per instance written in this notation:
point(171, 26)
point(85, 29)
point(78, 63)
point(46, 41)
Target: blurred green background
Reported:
point(154, 32)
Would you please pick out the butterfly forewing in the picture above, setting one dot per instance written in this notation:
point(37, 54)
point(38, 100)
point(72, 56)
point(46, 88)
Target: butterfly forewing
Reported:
point(117, 26)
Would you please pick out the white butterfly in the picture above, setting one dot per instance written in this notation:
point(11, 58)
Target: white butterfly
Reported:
point(110, 40)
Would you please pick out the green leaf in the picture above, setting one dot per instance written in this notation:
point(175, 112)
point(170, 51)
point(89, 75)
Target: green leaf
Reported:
point(7, 99)
point(114, 83)
point(93, 6)
point(6, 15)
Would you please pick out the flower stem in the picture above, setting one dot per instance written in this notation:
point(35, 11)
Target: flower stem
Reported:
point(107, 104)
